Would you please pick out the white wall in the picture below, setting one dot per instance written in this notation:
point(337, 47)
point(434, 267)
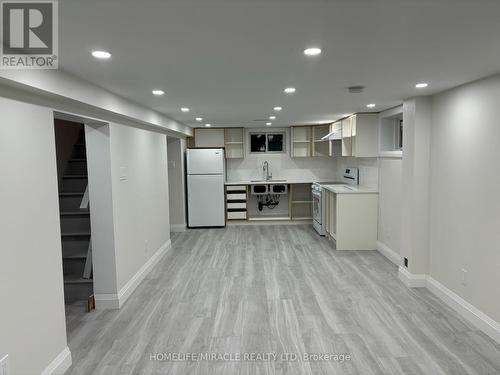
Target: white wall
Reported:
point(140, 199)
point(176, 148)
point(389, 216)
point(281, 165)
point(368, 169)
point(465, 193)
point(32, 322)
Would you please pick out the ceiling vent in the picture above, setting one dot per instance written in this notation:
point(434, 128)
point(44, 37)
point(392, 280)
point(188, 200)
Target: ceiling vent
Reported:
point(356, 89)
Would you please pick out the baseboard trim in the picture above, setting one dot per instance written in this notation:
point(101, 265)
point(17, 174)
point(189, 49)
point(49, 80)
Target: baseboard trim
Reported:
point(389, 253)
point(476, 317)
point(469, 312)
point(60, 364)
point(411, 280)
point(178, 228)
point(232, 223)
point(116, 301)
point(106, 301)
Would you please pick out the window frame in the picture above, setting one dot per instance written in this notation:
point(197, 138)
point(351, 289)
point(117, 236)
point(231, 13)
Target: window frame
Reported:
point(266, 134)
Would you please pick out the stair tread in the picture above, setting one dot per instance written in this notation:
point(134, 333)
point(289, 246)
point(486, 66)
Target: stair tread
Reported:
point(75, 176)
point(74, 213)
point(75, 234)
point(76, 160)
point(76, 256)
point(76, 279)
point(71, 193)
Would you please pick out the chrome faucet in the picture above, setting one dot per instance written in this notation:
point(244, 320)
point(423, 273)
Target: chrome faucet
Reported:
point(265, 171)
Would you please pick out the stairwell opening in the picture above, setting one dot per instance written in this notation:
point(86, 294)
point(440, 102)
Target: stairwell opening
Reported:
point(74, 210)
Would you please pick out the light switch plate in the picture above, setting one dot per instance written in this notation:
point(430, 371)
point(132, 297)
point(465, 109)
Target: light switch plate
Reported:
point(123, 173)
point(4, 365)
point(464, 276)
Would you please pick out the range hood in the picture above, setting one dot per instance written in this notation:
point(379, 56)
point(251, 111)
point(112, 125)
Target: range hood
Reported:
point(333, 135)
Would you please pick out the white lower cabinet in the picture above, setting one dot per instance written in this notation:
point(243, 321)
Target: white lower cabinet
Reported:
point(236, 215)
point(351, 220)
point(236, 202)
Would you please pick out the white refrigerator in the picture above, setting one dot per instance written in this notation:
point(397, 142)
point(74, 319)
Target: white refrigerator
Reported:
point(206, 175)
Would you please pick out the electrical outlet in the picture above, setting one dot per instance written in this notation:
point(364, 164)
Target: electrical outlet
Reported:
point(4, 365)
point(464, 276)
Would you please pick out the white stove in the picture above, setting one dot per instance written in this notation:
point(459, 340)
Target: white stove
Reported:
point(349, 177)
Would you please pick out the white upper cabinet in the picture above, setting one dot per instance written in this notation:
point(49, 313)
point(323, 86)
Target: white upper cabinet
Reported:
point(321, 145)
point(232, 139)
point(209, 137)
point(346, 137)
point(234, 142)
point(312, 141)
point(335, 139)
point(301, 142)
point(360, 135)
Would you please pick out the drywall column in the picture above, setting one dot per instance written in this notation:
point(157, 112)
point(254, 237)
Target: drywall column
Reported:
point(32, 319)
point(176, 148)
point(97, 139)
point(417, 114)
point(129, 207)
point(140, 204)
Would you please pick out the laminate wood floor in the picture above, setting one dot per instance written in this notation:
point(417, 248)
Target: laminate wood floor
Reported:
point(276, 289)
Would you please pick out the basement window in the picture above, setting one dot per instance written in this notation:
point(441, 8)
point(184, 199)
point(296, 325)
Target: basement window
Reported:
point(267, 142)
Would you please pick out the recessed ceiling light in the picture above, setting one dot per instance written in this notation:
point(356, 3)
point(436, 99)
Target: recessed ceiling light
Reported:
point(101, 54)
point(269, 123)
point(312, 51)
point(277, 109)
point(371, 105)
point(185, 109)
point(199, 119)
point(208, 125)
point(272, 117)
point(289, 90)
point(158, 92)
point(422, 85)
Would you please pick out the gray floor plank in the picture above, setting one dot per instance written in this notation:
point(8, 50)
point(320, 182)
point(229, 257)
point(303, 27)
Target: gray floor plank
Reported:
point(276, 289)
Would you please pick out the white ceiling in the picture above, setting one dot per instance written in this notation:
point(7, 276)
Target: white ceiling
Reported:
point(229, 61)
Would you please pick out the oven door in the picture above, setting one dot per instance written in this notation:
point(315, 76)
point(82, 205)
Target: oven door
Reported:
point(316, 197)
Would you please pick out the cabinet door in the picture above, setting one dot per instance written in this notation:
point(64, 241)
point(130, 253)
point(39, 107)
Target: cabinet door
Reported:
point(333, 215)
point(346, 137)
point(365, 140)
point(353, 135)
point(209, 137)
point(326, 224)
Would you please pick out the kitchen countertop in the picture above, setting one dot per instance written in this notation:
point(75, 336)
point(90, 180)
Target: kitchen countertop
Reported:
point(348, 189)
point(273, 181)
point(339, 188)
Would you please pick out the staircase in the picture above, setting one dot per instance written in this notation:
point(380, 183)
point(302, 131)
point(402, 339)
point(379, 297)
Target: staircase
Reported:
point(75, 226)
